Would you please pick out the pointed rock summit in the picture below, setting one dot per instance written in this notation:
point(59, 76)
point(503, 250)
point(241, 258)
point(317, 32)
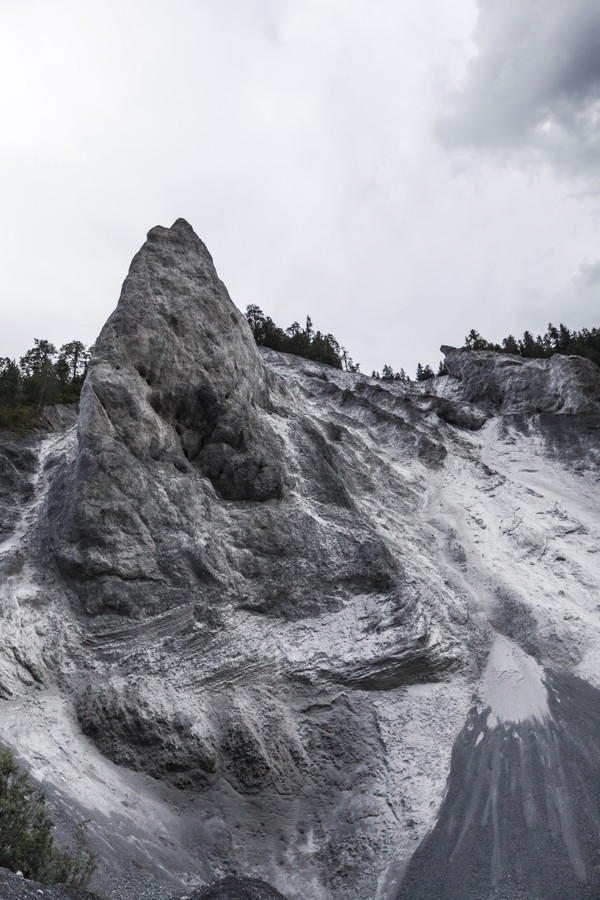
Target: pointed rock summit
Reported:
point(176, 375)
point(180, 493)
point(175, 388)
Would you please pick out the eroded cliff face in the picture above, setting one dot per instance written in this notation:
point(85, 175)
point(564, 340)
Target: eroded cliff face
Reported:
point(510, 384)
point(251, 604)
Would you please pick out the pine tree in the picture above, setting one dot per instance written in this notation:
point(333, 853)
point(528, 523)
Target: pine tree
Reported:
point(26, 838)
point(424, 373)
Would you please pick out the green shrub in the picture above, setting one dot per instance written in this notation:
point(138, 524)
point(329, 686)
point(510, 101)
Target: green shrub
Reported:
point(26, 838)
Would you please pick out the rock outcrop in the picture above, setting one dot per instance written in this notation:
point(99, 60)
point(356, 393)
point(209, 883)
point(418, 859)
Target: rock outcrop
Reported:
point(175, 396)
point(238, 889)
point(251, 611)
point(182, 486)
point(567, 385)
point(15, 887)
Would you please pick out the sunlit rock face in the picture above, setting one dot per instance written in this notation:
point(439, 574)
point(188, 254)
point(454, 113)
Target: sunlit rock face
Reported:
point(265, 619)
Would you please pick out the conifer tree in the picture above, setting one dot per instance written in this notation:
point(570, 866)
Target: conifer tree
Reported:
point(26, 834)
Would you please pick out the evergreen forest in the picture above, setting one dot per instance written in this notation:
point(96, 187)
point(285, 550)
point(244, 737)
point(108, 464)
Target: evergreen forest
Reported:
point(556, 340)
point(44, 375)
point(306, 342)
point(26, 834)
point(561, 340)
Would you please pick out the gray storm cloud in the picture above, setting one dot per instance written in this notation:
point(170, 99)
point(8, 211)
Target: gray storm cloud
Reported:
point(533, 86)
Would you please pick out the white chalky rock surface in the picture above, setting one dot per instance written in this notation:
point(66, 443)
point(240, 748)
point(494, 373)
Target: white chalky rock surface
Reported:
point(259, 615)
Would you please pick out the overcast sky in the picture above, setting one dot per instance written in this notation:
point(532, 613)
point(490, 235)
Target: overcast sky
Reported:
point(403, 172)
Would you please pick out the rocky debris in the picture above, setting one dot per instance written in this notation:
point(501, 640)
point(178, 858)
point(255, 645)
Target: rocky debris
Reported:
point(237, 889)
point(14, 887)
point(527, 784)
point(568, 385)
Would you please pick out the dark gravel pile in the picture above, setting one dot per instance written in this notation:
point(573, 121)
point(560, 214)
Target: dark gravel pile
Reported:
point(237, 889)
point(15, 887)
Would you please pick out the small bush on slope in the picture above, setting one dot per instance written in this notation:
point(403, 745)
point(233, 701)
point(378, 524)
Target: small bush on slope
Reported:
point(26, 839)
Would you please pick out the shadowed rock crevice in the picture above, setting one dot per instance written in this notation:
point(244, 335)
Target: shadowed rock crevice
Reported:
point(18, 464)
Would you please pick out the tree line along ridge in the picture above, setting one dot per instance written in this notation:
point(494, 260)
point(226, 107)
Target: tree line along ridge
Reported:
point(47, 375)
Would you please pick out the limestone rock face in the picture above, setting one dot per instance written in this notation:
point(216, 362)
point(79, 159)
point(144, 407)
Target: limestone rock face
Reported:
point(192, 470)
point(176, 376)
point(173, 415)
point(513, 384)
point(277, 629)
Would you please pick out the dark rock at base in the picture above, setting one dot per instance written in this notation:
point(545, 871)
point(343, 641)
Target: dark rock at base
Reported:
point(15, 887)
point(238, 889)
point(133, 731)
point(520, 818)
point(18, 463)
point(463, 415)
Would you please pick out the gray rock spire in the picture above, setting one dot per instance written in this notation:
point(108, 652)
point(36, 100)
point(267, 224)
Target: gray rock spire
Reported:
point(174, 404)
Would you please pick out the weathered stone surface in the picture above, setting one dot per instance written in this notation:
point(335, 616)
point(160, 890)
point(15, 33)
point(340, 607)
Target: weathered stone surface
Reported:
point(181, 488)
point(513, 384)
point(174, 405)
point(245, 612)
point(138, 725)
point(175, 374)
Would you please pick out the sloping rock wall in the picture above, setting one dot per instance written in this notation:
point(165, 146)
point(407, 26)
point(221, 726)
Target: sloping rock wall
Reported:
point(251, 609)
